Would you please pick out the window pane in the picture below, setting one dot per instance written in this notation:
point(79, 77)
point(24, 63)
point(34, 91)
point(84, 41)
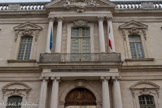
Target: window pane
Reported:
point(25, 48)
point(75, 32)
point(85, 32)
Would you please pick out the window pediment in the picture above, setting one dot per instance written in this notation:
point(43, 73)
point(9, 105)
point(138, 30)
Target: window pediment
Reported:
point(133, 28)
point(16, 89)
point(133, 24)
point(144, 84)
point(27, 29)
point(145, 88)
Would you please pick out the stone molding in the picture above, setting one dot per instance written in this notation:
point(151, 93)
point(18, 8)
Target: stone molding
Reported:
point(27, 29)
point(75, 15)
point(20, 89)
point(21, 61)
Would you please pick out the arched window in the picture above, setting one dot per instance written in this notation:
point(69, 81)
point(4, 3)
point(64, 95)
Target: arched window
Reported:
point(136, 46)
point(146, 101)
point(25, 48)
point(14, 102)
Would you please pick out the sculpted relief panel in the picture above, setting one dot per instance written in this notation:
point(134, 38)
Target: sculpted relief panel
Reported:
point(80, 4)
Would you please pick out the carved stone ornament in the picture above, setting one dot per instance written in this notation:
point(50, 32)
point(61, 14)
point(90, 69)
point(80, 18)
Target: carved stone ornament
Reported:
point(80, 4)
point(80, 23)
point(27, 29)
point(145, 88)
point(27, 32)
point(16, 89)
point(134, 31)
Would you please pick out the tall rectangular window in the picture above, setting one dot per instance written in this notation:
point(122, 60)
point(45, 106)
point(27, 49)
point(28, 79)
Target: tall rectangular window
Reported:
point(136, 46)
point(25, 48)
point(80, 43)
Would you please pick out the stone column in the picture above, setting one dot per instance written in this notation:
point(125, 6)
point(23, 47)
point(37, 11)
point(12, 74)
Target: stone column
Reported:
point(101, 34)
point(105, 92)
point(50, 30)
point(111, 33)
point(59, 36)
point(55, 91)
point(43, 94)
point(117, 100)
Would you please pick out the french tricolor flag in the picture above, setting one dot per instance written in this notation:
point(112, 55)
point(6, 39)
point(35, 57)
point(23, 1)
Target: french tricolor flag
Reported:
point(51, 39)
point(110, 40)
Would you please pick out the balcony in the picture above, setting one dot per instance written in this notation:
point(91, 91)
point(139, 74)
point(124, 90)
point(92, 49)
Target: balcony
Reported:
point(79, 57)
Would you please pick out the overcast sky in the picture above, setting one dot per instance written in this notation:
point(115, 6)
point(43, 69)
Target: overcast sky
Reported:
point(2, 1)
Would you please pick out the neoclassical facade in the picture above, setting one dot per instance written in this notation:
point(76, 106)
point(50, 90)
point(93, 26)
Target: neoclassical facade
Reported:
point(81, 54)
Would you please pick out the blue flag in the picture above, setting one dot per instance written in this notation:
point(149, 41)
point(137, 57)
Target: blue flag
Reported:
point(51, 40)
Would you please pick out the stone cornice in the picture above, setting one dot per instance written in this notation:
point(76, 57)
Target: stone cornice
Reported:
point(20, 69)
point(141, 68)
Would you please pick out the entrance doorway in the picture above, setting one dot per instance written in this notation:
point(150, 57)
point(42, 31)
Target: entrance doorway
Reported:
point(80, 98)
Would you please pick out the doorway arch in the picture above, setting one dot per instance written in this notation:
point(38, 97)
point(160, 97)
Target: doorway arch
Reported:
point(80, 98)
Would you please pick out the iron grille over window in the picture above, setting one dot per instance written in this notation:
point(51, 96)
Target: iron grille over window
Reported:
point(146, 101)
point(136, 47)
point(25, 48)
point(14, 102)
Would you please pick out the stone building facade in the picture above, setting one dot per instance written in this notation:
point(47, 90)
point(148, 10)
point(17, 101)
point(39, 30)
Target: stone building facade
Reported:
point(81, 54)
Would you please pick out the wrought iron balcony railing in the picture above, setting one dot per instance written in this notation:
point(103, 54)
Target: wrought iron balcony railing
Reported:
point(79, 57)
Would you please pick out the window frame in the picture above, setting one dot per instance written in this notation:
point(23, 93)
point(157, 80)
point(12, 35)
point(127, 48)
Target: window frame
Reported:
point(80, 38)
point(136, 49)
point(16, 46)
point(127, 45)
point(147, 105)
point(14, 96)
point(69, 29)
point(24, 49)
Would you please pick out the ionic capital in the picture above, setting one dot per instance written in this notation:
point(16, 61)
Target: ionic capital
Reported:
point(100, 18)
point(60, 19)
point(116, 78)
point(45, 78)
point(55, 78)
point(105, 78)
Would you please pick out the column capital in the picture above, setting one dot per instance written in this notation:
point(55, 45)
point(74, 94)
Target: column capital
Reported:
point(60, 18)
point(105, 77)
point(51, 19)
point(55, 78)
point(109, 18)
point(44, 78)
point(116, 78)
point(100, 18)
